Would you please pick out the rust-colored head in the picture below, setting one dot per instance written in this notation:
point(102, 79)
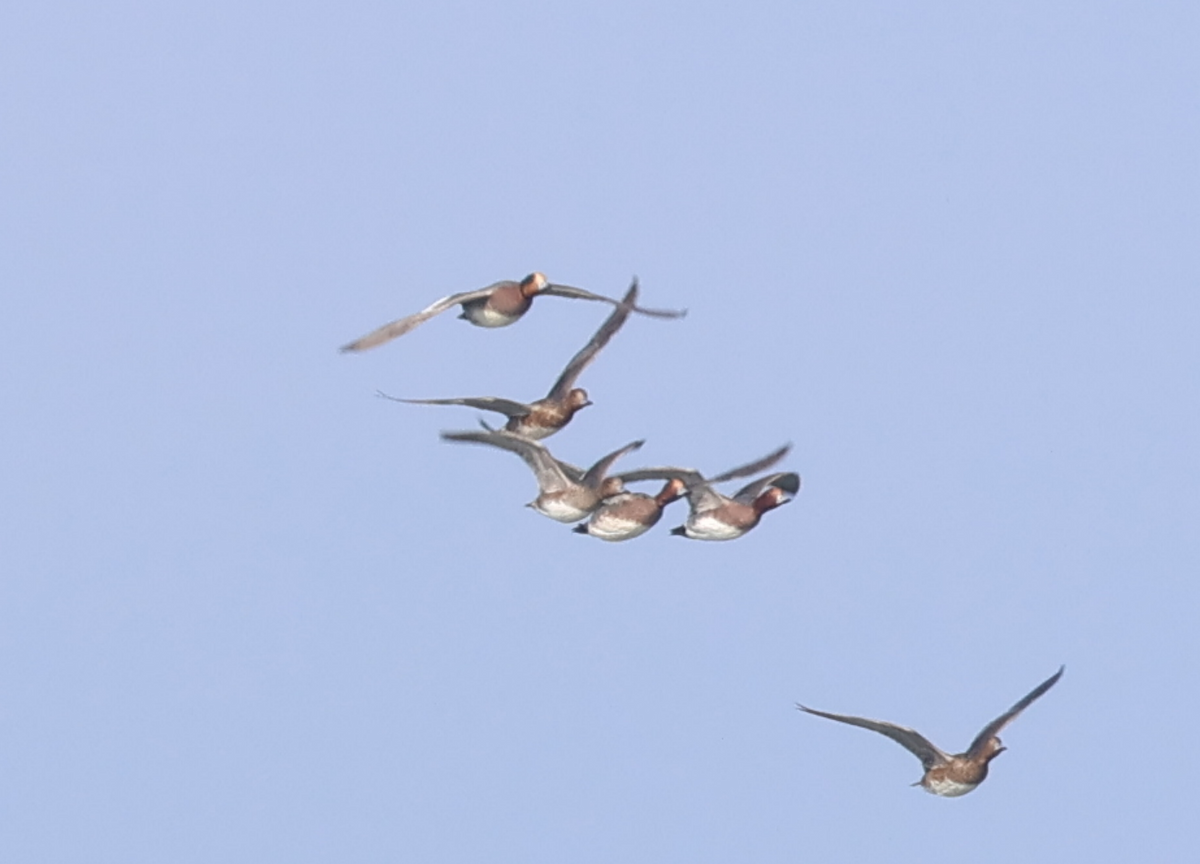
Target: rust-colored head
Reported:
point(672, 491)
point(770, 499)
point(992, 749)
point(578, 398)
point(533, 284)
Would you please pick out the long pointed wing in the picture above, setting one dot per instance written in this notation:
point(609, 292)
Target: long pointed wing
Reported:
point(595, 474)
point(788, 481)
point(580, 294)
point(687, 475)
point(993, 728)
point(588, 352)
point(692, 477)
point(910, 739)
point(753, 467)
point(401, 326)
point(483, 403)
point(549, 473)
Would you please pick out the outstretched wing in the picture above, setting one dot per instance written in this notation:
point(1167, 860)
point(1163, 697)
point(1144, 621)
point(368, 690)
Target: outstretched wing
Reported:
point(910, 739)
point(588, 352)
point(687, 475)
point(993, 729)
point(692, 477)
point(402, 325)
point(753, 467)
point(483, 403)
point(580, 294)
point(595, 475)
point(549, 473)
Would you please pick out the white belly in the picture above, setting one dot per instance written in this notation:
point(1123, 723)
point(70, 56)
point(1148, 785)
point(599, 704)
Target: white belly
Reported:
point(949, 788)
point(614, 530)
point(485, 316)
point(560, 510)
point(703, 527)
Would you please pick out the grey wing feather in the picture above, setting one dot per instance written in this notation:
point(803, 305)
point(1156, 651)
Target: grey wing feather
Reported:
point(689, 476)
point(788, 481)
point(580, 294)
point(993, 728)
point(753, 467)
point(692, 477)
point(401, 326)
point(483, 403)
point(595, 474)
point(588, 352)
point(702, 497)
point(573, 472)
point(549, 473)
point(910, 739)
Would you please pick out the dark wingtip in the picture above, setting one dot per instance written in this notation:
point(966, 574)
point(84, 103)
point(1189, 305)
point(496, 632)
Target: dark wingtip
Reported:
point(789, 483)
point(581, 528)
point(679, 531)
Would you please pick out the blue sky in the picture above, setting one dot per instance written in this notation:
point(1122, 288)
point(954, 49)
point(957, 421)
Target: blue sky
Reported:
point(250, 612)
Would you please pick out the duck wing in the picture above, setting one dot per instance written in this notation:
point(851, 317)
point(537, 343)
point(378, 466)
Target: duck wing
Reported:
point(993, 729)
point(484, 403)
point(788, 481)
point(401, 326)
point(687, 475)
point(753, 467)
point(693, 478)
point(595, 475)
point(550, 475)
point(588, 352)
point(580, 294)
point(910, 739)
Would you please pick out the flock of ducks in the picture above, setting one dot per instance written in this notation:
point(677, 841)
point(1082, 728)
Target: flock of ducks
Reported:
point(600, 504)
point(598, 500)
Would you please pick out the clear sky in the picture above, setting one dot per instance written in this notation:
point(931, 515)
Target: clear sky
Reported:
point(249, 612)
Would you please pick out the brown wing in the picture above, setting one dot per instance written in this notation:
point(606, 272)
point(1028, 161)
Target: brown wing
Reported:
point(911, 740)
point(993, 729)
point(753, 467)
point(580, 294)
point(483, 403)
point(401, 326)
point(588, 352)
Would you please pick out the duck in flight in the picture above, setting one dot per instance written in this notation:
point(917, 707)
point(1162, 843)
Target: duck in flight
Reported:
point(626, 514)
point(546, 416)
point(714, 516)
point(497, 305)
point(565, 493)
point(945, 774)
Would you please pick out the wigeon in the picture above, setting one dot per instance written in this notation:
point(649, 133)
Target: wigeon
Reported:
point(496, 305)
point(630, 514)
point(565, 493)
point(543, 418)
point(950, 775)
